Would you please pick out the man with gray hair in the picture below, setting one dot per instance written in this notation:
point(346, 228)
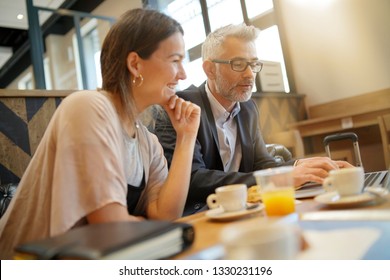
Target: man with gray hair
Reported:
point(229, 143)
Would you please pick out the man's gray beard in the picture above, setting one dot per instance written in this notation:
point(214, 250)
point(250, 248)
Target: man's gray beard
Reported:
point(233, 97)
point(239, 97)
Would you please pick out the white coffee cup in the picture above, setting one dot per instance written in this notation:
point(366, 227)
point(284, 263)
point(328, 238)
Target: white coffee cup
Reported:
point(345, 181)
point(230, 197)
point(264, 240)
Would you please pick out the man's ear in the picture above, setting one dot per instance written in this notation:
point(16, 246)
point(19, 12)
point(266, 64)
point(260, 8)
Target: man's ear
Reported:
point(132, 63)
point(209, 69)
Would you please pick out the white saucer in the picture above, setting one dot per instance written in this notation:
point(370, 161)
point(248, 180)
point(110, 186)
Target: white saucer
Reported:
point(219, 215)
point(310, 191)
point(335, 200)
point(377, 190)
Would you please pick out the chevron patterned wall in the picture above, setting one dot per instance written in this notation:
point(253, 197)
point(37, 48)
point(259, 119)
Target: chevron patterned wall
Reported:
point(278, 111)
point(23, 121)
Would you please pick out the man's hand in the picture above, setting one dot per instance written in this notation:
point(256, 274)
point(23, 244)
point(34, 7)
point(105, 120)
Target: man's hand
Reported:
point(315, 169)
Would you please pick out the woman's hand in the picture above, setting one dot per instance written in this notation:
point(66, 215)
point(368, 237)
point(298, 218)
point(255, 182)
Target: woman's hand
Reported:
point(315, 169)
point(184, 116)
point(185, 119)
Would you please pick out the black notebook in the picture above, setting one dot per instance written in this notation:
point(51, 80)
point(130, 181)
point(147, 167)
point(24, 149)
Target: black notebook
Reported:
point(119, 240)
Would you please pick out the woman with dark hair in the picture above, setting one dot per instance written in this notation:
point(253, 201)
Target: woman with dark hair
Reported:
point(96, 162)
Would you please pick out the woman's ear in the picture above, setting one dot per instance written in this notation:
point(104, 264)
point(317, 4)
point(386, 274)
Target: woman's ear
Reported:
point(132, 63)
point(209, 69)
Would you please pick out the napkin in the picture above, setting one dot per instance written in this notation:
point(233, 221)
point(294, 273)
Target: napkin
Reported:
point(346, 244)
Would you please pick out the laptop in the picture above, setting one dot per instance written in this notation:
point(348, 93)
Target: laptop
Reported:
point(379, 179)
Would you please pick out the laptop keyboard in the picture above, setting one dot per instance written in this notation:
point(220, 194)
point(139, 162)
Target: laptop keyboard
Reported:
point(370, 178)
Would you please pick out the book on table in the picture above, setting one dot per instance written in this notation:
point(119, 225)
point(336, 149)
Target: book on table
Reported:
point(118, 240)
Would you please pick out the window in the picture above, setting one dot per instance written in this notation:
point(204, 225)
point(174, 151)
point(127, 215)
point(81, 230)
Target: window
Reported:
point(26, 82)
point(269, 49)
point(257, 7)
point(195, 74)
point(90, 55)
point(46, 66)
point(91, 51)
point(220, 13)
point(189, 14)
point(224, 12)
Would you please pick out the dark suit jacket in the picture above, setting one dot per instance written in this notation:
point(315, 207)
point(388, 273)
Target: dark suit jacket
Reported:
point(207, 168)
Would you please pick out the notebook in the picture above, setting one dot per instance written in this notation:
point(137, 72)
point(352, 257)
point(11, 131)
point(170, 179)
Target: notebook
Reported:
point(118, 240)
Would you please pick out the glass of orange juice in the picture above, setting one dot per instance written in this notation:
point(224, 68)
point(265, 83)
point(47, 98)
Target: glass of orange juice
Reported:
point(277, 190)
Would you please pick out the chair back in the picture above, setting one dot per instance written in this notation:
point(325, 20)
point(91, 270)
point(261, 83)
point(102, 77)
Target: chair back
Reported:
point(291, 139)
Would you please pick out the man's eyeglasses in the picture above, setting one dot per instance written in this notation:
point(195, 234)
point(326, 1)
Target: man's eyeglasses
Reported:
point(240, 65)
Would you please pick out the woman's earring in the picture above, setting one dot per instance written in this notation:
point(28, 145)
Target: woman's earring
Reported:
point(141, 80)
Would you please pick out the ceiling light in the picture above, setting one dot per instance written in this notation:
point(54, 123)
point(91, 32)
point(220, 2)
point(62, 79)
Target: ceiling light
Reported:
point(20, 16)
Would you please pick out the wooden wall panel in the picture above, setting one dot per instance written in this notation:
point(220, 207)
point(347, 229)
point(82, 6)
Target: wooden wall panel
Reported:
point(24, 116)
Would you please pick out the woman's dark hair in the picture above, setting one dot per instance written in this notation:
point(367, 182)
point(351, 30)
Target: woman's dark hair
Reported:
point(138, 30)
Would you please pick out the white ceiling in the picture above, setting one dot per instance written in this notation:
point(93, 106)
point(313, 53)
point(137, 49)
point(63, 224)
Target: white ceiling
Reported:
point(10, 9)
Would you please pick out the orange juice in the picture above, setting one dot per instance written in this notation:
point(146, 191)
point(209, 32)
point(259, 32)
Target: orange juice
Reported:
point(279, 201)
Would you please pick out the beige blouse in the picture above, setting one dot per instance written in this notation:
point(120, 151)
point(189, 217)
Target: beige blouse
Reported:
point(78, 167)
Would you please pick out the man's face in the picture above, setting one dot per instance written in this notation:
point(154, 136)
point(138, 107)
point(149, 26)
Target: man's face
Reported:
point(232, 85)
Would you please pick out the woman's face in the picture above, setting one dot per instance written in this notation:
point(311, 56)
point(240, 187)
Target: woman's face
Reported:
point(161, 72)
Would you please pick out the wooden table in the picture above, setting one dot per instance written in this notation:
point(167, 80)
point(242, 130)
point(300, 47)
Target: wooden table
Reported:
point(208, 232)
